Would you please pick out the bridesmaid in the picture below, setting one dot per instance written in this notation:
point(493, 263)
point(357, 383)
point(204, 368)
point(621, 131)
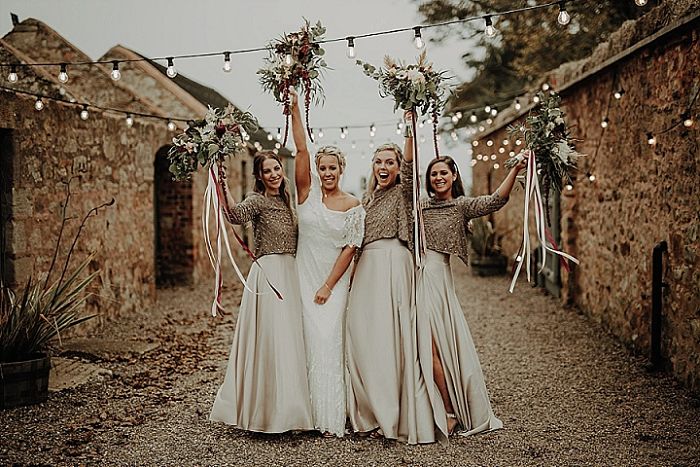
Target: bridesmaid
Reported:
point(387, 395)
point(265, 388)
point(443, 333)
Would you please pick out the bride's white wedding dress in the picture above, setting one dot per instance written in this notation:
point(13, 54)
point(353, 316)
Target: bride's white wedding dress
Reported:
point(322, 235)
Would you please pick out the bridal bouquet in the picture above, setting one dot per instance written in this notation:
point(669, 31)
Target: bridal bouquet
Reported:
point(551, 157)
point(295, 60)
point(205, 141)
point(547, 137)
point(415, 86)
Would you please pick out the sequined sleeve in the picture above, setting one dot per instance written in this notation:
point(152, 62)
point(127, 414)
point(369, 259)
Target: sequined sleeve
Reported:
point(246, 210)
point(354, 228)
point(480, 205)
point(407, 181)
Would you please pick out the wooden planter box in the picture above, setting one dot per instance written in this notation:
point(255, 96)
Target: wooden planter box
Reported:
point(24, 383)
point(496, 265)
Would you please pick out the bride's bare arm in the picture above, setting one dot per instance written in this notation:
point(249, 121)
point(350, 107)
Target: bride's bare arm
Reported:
point(302, 163)
point(341, 265)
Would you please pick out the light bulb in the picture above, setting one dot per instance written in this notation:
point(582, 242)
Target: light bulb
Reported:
point(501, 150)
point(454, 136)
point(481, 128)
point(278, 145)
point(518, 142)
point(171, 71)
point(279, 134)
point(517, 104)
point(320, 133)
point(536, 99)
point(591, 177)
point(129, 120)
point(487, 109)
point(475, 143)
point(640, 2)
point(12, 77)
point(116, 74)
point(417, 38)
point(84, 114)
point(473, 162)
point(171, 125)
point(270, 137)
point(494, 112)
point(619, 93)
point(493, 157)
point(511, 154)
point(564, 18)
point(545, 87)
point(605, 122)
point(496, 166)
point(473, 118)
point(651, 139)
point(351, 47)
point(398, 130)
point(63, 75)
point(569, 187)
point(479, 157)
point(489, 121)
point(39, 104)
point(227, 62)
point(288, 59)
point(490, 31)
point(459, 115)
point(687, 119)
point(506, 142)
point(343, 134)
point(489, 143)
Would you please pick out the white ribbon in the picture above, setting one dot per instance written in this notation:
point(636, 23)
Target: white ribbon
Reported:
point(213, 204)
point(532, 190)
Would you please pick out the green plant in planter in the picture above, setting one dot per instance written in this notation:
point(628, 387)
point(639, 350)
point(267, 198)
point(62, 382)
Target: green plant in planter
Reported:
point(486, 258)
point(37, 313)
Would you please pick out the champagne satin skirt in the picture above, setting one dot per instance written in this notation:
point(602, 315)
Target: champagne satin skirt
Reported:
point(385, 387)
point(440, 317)
point(266, 388)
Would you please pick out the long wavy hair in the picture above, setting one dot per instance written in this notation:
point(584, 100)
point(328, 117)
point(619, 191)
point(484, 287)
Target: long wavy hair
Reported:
point(331, 151)
point(372, 182)
point(457, 185)
point(258, 159)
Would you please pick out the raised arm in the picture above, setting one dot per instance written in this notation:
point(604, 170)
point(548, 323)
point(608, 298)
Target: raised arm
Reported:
point(235, 213)
point(506, 185)
point(408, 135)
point(484, 205)
point(302, 163)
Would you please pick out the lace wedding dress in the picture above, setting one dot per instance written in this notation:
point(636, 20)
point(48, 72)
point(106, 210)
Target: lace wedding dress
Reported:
point(322, 235)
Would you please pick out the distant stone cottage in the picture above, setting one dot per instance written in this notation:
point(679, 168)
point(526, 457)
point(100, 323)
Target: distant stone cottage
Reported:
point(152, 235)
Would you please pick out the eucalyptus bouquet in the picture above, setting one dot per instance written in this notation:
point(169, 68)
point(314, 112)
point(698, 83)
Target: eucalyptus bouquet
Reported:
point(415, 86)
point(295, 60)
point(547, 137)
point(219, 134)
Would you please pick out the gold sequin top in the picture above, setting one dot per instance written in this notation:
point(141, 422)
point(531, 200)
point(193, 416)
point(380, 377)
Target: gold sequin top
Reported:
point(388, 213)
point(274, 223)
point(447, 222)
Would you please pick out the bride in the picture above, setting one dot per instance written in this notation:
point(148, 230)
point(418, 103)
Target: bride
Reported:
point(331, 227)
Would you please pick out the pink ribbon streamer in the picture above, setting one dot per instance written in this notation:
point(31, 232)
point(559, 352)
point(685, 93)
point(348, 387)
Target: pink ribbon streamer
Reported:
point(533, 192)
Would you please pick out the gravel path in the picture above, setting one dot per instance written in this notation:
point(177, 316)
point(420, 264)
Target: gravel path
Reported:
point(568, 394)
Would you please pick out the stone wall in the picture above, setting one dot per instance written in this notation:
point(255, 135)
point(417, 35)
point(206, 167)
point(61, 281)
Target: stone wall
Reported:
point(642, 194)
point(110, 162)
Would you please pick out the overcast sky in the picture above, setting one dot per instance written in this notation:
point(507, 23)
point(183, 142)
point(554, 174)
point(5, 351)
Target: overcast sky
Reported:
point(161, 28)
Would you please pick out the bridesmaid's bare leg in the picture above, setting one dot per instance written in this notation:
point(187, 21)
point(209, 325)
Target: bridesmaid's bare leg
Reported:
point(441, 381)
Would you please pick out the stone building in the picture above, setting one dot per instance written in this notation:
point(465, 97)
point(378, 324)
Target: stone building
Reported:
point(152, 235)
point(641, 193)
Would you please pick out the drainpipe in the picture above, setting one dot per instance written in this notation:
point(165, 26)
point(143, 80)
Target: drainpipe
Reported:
point(657, 285)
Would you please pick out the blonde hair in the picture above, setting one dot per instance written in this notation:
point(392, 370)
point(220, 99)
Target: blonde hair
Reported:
point(331, 151)
point(372, 183)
